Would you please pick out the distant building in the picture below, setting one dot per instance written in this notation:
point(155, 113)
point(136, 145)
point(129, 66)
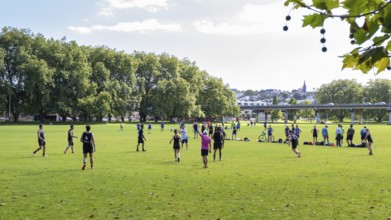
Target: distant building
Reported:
point(304, 87)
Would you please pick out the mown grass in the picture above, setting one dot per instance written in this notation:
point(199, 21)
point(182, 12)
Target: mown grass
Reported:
point(254, 180)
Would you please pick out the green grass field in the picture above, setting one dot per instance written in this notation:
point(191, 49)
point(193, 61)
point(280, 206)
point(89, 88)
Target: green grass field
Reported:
point(254, 180)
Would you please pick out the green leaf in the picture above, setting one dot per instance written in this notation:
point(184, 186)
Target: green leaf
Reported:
point(380, 40)
point(388, 47)
point(355, 7)
point(382, 64)
point(314, 20)
point(326, 4)
point(349, 61)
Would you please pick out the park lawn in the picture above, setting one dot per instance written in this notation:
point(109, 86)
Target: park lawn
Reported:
point(253, 181)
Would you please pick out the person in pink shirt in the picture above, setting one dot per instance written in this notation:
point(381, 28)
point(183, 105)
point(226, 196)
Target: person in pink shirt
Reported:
point(206, 146)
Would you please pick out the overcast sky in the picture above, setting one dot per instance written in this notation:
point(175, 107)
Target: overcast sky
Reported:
point(241, 42)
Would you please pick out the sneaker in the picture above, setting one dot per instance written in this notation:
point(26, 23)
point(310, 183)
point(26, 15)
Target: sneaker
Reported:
point(34, 154)
point(92, 168)
point(370, 153)
point(83, 167)
point(144, 150)
point(298, 155)
point(179, 159)
point(44, 156)
point(137, 150)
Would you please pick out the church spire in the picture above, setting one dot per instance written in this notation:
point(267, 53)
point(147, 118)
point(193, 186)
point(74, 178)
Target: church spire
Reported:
point(304, 87)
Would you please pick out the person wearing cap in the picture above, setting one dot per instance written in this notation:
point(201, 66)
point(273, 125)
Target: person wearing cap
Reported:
point(325, 134)
point(206, 146)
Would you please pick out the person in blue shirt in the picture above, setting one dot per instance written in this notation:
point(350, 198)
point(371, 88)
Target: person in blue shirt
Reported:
point(297, 132)
point(138, 126)
point(149, 128)
point(339, 133)
point(238, 126)
point(270, 133)
point(325, 134)
point(162, 126)
point(363, 133)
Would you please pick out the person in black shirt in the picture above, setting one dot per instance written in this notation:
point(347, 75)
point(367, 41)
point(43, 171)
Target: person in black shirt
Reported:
point(89, 146)
point(218, 142)
point(41, 142)
point(70, 140)
point(176, 138)
point(141, 138)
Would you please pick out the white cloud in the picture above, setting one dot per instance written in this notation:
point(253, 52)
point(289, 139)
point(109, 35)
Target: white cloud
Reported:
point(149, 5)
point(137, 26)
point(251, 20)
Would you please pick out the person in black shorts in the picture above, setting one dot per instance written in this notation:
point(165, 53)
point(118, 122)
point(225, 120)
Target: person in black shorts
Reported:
point(294, 140)
point(141, 138)
point(41, 142)
point(314, 132)
point(70, 140)
point(177, 147)
point(350, 134)
point(218, 143)
point(89, 146)
point(368, 138)
point(210, 129)
point(195, 130)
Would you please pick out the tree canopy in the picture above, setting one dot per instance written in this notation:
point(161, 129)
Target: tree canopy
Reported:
point(370, 28)
point(40, 76)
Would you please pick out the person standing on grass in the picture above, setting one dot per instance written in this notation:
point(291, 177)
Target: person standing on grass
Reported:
point(141, 138)
point(210, 129)
point(162, 126)
point(287, 132)
point(270, 131)
point(218, 143)
point(70, 140)
point(363, 133)
point(206, 147)
point(350, 134)
point(41, 141)
point(89, 146)
point(293, 139)
point(325, 134)
point(314, 132)
point(338, 133)
point(368, 138)
point(176, 145)
point(185, 138)
point(234, 132)
point(149, 128)
point(195, 130)
point(297, 132)
point(121, 127)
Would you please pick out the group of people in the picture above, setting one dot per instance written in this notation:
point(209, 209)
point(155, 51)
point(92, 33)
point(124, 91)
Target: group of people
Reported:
point(206, 138)
point(366, 137)
point(87, 138)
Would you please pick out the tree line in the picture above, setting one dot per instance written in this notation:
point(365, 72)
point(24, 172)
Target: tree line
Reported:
point(344, 91)
point(40, 76)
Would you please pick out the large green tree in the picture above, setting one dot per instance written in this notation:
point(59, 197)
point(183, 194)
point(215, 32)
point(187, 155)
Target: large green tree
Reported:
point(378, 90)
point(16, 46)
point(340, 92)
point(370, 28)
